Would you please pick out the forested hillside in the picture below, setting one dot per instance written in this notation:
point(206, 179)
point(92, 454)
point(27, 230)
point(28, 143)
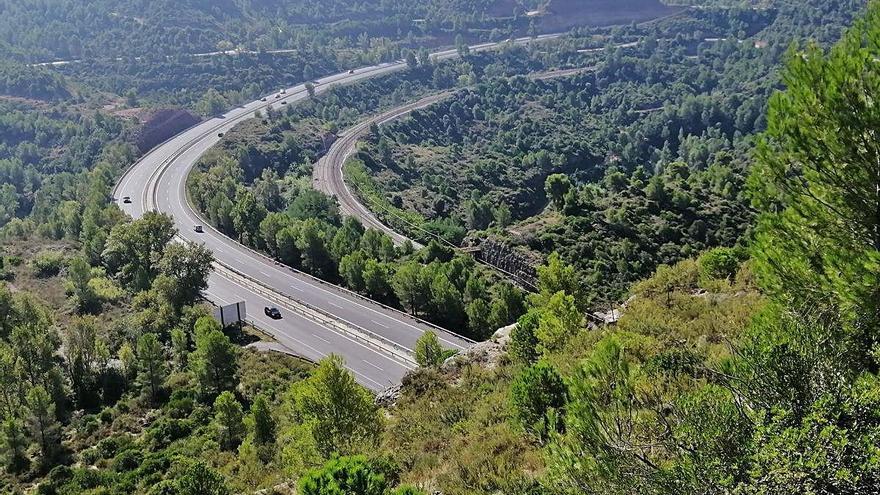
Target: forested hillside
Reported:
point(716, 171)
point(637, 161)
point(63, 29)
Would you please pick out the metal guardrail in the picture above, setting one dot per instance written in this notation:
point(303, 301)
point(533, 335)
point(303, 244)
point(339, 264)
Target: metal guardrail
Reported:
point(320, 316)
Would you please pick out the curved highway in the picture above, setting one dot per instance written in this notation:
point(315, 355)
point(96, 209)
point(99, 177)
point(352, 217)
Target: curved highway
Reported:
point(328, 177)
point(319, 319)
point(328, 174)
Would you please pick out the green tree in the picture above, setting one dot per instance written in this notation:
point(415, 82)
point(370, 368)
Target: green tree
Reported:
point(478, 318)
point(151, 364)
point(132, 248)
point(410, 287)
point(80, 343)
point(188, 265)
point(376, 283)
point(524, 342)
point(288, 251)
point(229, 418)
point(377, 245)
point(263, 422)
point(44, 427)
point(247, 214)
point(560, 320)
point(347, 238)
point(343, 475)
point(340, 413)
point(817, 242)
point(446, 302)
point(351, 269)
point(428, 350)
point(507, 306)
point(79, 273)
point(557, 276)
point(214, 361)
point(128, 359)
point(199, 479)
point(556, 187)
point(411, 60)
point(179, 347)
point(534, 393)
point(312, 245)
point(13, 444)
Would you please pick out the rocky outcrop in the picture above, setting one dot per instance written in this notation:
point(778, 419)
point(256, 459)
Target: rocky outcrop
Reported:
point(518, 265)
point(486, 354)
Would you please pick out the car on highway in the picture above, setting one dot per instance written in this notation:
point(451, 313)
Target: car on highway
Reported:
point(284, 103)
point(278, 96)
point(219, 134)
point(272, 312)
point(263, 99)
point(351, 71)
point(126, 200)
point(283, 91)
point(198, 229)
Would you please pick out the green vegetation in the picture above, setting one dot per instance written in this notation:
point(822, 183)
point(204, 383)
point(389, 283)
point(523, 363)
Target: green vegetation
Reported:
point(260, 193)
point(745, 359)
point(637, 162)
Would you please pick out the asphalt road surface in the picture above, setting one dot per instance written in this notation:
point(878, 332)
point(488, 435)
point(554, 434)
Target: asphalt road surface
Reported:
point(158, 182)
point(328, 176)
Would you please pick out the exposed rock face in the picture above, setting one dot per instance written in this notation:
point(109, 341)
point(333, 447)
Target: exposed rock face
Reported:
point(389, 396)
point(162, 125)
point(487, 354)
point(519, 265)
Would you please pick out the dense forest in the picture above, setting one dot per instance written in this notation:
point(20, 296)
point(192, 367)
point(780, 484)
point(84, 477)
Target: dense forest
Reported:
point(714, 169)
point(641, 158)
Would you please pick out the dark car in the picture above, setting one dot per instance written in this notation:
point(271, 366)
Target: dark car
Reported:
point(351, 71)
point(263, 99)
point(126, 200)
point(284, 103)
point(272, 313)
point(219, 134)
point(198, 229)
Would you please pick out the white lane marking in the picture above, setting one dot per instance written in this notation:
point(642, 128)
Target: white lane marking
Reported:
point(341, 335)
point(264, 273)
point(265, 324)
point(334, 305)
point(297, 288)
point(320, 338)
point(377, 323)
point(233, 117)
point(373, 365)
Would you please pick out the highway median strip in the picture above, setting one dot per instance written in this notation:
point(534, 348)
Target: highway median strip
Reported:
point(323, 318)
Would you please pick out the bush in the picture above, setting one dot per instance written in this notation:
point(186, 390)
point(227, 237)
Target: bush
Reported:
point(166, 430)
point(108, 447)
point(127, 460)
point(523, 345)
point(534, 393)
point(721, 263)
point(428, 350)
point(47, 264)
point(180, 405)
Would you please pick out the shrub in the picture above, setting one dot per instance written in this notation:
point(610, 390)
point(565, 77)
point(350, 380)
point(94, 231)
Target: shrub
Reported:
point(428, 350)
point(534, 393)
point(47, 264)
point(108, 447)
point(127, 460)
point(523, 345)
point(721, 263)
